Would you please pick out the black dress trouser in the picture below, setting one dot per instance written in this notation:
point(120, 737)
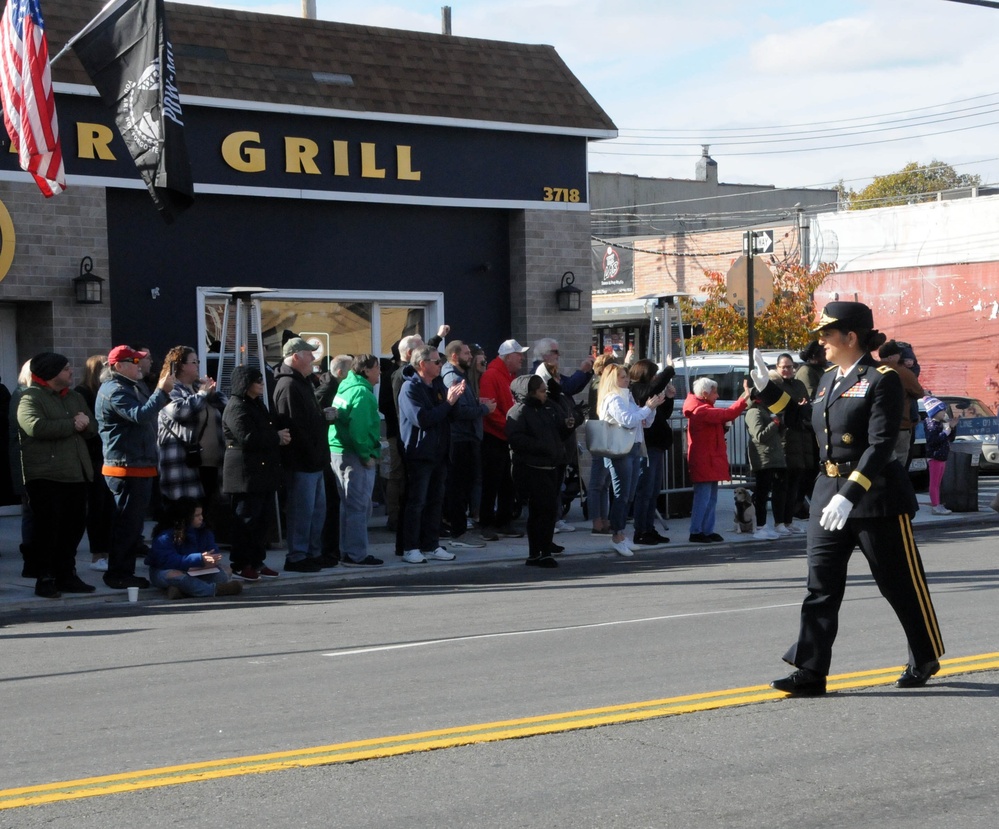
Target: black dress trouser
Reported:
point(60, 511)
point(538, 489)
point(890, 549)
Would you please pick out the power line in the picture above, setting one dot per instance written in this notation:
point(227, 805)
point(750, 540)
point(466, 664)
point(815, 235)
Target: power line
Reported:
point(825, 134)
point(709, 130)
point(595, 151)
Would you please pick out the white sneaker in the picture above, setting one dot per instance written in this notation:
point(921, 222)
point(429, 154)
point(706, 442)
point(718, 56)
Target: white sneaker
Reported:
point(765, 534)
point(795, 529)
point(414, 557)
point(440, 554)
point(780, 529)
point(622, 548)
point(101, 565)
point(469, 524)
point(940, 509)
point(562, 527)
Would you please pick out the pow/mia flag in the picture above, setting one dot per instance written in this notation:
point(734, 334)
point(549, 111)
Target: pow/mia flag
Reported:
point(126, 52)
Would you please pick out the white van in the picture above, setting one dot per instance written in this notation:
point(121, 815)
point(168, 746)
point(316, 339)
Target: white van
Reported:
point(727, 368)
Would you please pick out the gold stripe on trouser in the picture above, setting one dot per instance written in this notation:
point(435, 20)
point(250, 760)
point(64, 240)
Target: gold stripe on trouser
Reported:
point(919, 583)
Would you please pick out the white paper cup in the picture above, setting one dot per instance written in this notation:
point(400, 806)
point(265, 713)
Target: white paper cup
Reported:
point(133, 594)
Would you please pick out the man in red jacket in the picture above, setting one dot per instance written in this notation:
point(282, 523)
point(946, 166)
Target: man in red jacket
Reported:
point(496, 509)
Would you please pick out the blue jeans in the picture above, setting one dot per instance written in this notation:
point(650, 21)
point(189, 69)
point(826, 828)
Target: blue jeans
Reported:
point(702, 514)
point(200, 586)
point(649, 484)
point(305, 510)
point(624, 479)
point(131, 500)
point(355, 482)
point(424, 504)
point(598, 490)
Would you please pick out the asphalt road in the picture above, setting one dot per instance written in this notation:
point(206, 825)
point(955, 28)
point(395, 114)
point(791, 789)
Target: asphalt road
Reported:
point(129, 689)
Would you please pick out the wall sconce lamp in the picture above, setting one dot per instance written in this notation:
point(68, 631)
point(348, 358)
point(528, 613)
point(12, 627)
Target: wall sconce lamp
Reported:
point(88, 286)
point(568, 295)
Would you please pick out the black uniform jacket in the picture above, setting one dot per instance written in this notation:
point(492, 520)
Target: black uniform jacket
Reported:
point(856, 427)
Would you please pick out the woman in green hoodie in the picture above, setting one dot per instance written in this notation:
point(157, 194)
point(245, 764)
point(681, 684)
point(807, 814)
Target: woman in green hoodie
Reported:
point(355, 441)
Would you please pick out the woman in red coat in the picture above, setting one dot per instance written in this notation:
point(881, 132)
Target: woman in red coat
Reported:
point(707, 454)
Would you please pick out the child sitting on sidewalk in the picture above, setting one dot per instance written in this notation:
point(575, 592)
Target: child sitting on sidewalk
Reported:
point(184, 559)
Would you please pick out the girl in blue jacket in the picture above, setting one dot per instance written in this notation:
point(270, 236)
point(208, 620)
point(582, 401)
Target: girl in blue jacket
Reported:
point(183, 546)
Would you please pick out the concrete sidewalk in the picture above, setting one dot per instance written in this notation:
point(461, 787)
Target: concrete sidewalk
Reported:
point(17, 593)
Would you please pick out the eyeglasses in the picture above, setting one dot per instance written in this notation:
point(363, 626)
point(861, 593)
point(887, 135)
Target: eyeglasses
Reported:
point(435, 362)
point(133, 360)
point(553, 351)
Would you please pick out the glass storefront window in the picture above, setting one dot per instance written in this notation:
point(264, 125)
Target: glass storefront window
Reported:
point(338, 327)
point(398, 321)
point(339, 324)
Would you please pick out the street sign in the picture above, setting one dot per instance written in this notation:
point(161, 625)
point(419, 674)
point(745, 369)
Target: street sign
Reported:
point(763, 241)
point(736, 285)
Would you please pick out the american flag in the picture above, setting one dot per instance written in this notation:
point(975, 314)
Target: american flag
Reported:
point(26, 90)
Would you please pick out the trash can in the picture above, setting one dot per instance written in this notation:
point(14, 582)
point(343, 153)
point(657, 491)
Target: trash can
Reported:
point(959, 487)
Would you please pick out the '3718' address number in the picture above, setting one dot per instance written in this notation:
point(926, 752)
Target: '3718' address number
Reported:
point(561, 194)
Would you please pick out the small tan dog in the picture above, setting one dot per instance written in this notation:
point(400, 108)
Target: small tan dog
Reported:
point(745, 512)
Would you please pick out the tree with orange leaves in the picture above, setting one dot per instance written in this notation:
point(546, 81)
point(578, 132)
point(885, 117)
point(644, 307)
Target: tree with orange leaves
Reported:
point(784, 323)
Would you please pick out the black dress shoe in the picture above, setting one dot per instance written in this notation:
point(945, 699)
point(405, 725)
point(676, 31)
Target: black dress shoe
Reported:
point(699, 538)
point(327, 561)
point(715, 537)
point(916, 676)
point(74, 584)
point(544, 560)
point(367, 561)
point(46, 589)
point(802, 683)
point(650, 539)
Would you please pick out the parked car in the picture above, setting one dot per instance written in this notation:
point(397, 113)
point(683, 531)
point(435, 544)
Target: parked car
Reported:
point(975, 420)
point(727, 368)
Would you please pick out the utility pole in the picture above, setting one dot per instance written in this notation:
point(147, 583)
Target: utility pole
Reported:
point(748, 243)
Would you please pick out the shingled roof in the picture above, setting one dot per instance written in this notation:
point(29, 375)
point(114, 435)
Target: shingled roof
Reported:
point(292, 61)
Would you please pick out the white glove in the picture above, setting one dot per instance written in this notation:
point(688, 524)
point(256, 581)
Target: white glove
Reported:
point(835, 513)
point(760, 374)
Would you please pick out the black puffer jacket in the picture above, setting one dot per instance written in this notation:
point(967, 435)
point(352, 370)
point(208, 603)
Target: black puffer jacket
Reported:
point(535, 430)
point(252, 457)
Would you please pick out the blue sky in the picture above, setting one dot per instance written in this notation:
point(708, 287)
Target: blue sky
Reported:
point(800, 93)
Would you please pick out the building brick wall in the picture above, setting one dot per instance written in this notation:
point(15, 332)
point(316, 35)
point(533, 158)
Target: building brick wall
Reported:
point(50, 238)
point(544, 244)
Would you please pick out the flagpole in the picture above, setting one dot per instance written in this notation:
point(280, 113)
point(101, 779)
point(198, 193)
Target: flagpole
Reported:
point(110, 6)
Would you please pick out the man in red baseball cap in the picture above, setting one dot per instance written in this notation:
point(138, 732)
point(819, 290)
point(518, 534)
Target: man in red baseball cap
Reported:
point(127, 418)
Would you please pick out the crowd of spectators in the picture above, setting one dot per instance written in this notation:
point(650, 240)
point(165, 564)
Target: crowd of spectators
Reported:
point(455, 446)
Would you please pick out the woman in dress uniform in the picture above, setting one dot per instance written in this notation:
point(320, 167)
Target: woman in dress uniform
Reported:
point(861, 497)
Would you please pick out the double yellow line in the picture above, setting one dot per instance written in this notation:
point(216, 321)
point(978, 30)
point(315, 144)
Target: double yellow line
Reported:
point(448, 738)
